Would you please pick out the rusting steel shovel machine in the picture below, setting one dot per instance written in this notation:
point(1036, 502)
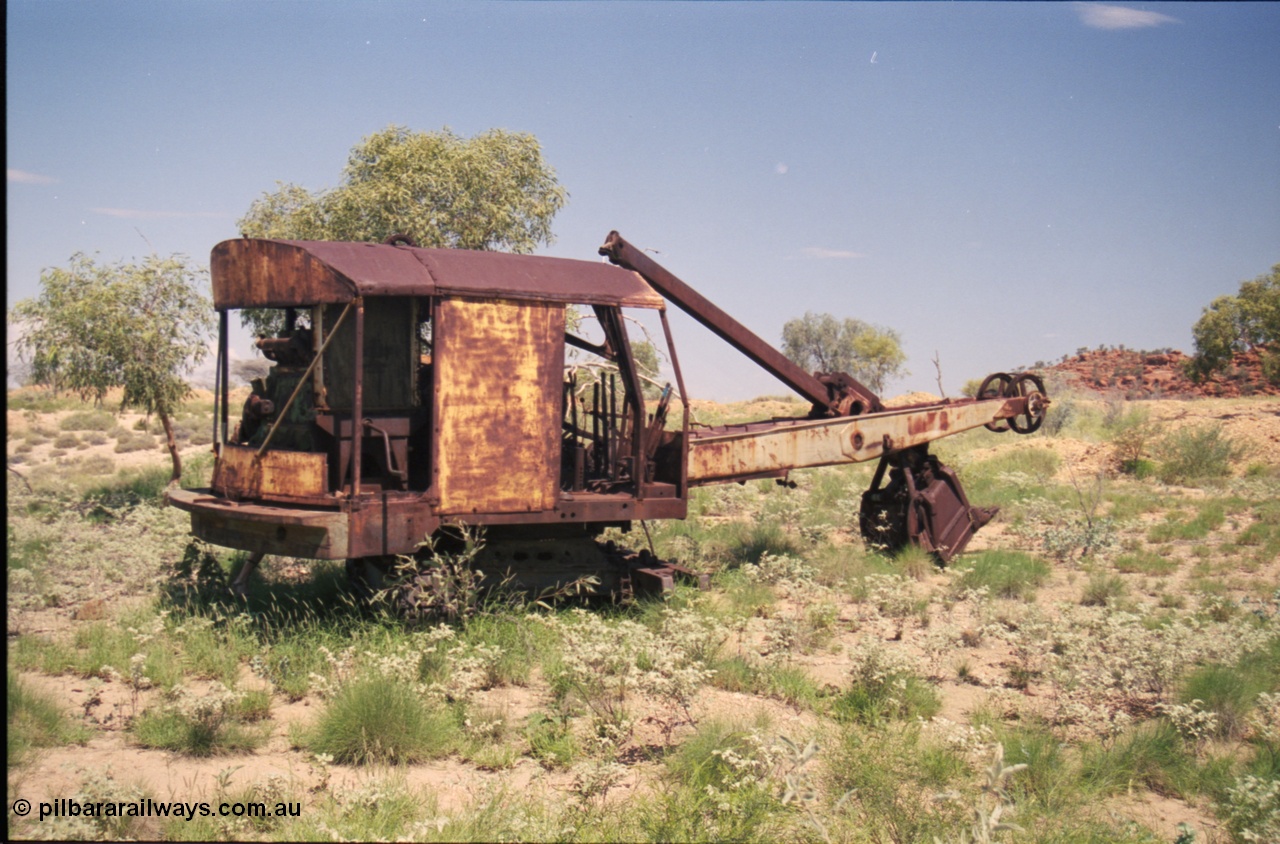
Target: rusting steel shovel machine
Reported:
point(415, 391)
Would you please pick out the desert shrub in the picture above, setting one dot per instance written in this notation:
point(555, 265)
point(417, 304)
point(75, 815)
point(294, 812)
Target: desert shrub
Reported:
point(883, 686)
point(1145, 562)
point(88, 420)
point(1037, 461)
point(66, 440)
point(745, 597)
point(717, 754)
point(129, 489)
point(603, 666)
point(1006, 574)
point(1197, 454)
point(99, 649)
point(884, 771)
point(253, 705)
point(380, 719)
point(27, 551)
point(1011, 477)
point(35, 720)
point(439, 583)
point(1251, 810)
point(1263, 534)
point(1058, 416)
point(214, 644)
point(551, 741)
point(100, 789)
point(719, 786)
point(1222, 691)
point(97, 464)
point(1064, 532)
point(1131, 435)
point(1102, 590)
point(128, 443)
point(518, 641)
point(198, 724)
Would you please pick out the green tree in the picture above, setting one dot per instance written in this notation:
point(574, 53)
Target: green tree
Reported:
point(490, 191)
point(822, 343)
point(140, 327)
point(645, 355)
point(1249, 320)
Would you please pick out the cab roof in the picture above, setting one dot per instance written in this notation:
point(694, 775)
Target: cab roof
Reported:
point(260, 273)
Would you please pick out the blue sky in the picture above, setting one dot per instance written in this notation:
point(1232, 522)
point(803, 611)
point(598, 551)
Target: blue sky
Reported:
point(1001, 183)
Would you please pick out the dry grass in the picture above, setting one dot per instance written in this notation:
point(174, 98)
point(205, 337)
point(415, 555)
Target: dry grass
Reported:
point(891, 680)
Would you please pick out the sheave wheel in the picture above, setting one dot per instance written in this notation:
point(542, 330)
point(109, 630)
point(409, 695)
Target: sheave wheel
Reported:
point(1030, 387)
point(995, 386)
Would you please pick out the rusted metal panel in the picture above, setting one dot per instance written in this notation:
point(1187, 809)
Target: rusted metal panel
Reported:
point(279, 273)
point(718, 456)
point(390, 354)
point(272, 274)
point(240, 473)
point(291, 531)
point(460, 272)
point(497, 405)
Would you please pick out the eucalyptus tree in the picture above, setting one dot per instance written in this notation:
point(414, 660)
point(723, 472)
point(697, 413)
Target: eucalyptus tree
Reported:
point(140, 327)
point(822, 343)
point(490, 191)
point(1249, 320)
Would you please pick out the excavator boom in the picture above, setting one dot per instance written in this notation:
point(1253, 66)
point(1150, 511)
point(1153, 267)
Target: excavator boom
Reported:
point(923, 504)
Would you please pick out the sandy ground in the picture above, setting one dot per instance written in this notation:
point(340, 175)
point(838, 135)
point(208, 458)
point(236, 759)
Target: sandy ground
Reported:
point(58, 772)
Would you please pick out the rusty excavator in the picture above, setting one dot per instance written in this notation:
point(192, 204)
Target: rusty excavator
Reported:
point(416, 391)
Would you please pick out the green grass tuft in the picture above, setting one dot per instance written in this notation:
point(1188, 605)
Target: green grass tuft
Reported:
point(1145, 562)
point(35, 720)
point(1103, 590)
point(377, 719)
point(1007, 574)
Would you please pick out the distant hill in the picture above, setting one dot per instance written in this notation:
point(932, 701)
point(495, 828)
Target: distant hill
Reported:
point(1151, 375)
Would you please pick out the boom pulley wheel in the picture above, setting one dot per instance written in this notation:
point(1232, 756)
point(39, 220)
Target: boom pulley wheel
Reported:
point(1030, 387)
point(995, 386)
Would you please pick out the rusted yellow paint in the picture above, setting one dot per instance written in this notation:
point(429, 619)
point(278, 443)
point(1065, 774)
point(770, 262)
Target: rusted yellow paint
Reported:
point(498, 395)
point(280, 474)
point(832, 441)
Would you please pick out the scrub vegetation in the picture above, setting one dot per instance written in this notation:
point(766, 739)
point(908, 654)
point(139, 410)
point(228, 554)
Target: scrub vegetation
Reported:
point(1102, 665)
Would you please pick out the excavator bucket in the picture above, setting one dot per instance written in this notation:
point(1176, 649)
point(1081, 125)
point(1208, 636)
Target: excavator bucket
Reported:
point(923, 504)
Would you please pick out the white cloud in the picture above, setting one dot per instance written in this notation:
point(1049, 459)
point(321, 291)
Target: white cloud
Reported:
point(22, 177)
point(820, 252)
point(1102, 16)
point(136, 214)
